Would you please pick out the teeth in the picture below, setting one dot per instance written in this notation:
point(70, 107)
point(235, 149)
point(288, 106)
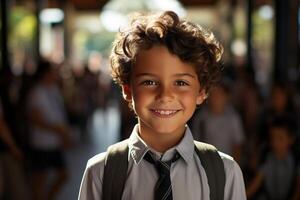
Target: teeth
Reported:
point(165, 112)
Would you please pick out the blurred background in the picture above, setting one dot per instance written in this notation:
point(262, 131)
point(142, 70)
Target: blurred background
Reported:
point(75, 99)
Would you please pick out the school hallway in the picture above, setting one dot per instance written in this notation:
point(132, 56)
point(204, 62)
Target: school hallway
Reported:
point(103, 130)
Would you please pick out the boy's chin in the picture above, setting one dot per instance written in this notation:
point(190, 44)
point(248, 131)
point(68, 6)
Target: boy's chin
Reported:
point(166, 129)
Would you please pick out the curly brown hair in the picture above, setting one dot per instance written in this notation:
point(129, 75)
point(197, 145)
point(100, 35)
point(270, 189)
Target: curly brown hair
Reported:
point(190, 42)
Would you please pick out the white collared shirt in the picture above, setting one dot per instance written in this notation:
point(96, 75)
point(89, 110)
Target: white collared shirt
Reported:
point(189, 181)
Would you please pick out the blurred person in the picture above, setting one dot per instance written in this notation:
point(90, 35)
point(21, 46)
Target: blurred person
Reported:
point(218, 123)
point(279, 105)
point(248, 102)
point(75, 99)
point(247, 99)
point(278, 176)
point(99, 67)
point(50, 133)
point(12, 175)
point(87, 91)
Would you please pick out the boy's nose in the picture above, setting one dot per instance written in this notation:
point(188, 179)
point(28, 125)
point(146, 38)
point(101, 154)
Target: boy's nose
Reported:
point(165, 94)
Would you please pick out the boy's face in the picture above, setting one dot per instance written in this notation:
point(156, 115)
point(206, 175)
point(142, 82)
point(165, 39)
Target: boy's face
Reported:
point(218, 99)
point(279, 99)
point(281, 141)
point(164, 92)
point(52, 76)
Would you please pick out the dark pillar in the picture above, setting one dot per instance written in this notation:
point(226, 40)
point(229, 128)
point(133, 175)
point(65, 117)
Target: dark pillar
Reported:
point(281, 39)
point(249, 36)
point(5, 73)
point(65, 8)
point(39, 6)
point(5, 67)
point(286, 41)
point(4, 33)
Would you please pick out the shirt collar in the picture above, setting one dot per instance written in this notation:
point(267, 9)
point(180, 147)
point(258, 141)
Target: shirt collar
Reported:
point(138, 148)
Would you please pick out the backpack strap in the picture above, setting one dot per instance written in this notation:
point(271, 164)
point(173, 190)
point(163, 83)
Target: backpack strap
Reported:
point(214, 169)
point(115, 171)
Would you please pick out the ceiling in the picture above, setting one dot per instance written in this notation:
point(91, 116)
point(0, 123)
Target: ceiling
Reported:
point(96, 4)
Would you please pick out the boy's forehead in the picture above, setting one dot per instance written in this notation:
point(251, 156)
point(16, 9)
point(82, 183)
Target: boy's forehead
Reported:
point(152, 71)
point(153, 51)
point(175, 75)
point(158, 56)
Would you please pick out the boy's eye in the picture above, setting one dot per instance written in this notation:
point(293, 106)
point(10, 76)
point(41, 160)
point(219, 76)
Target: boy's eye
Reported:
point(148, 82)
point(181, 83)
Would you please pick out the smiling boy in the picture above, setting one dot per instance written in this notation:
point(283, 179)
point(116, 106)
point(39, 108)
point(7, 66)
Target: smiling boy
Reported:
point(165, 67)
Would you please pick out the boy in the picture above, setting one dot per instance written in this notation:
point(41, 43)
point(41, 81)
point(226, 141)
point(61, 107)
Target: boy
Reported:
point(278, 177)
point(165, 67)
point(220, 115)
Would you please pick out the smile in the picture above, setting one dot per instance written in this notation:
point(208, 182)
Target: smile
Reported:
point(164, 112)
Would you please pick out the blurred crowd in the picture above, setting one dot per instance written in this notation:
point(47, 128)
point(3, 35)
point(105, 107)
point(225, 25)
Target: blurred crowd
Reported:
point(45, 114)
point(42, 116)
point(261, 134)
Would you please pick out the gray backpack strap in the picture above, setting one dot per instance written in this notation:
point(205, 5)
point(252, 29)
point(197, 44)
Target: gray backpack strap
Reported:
point(115, 171)
point(214, 169)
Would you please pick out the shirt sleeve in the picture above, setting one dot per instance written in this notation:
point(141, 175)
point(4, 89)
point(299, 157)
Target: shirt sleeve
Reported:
point(234, 185)
point(91, 184)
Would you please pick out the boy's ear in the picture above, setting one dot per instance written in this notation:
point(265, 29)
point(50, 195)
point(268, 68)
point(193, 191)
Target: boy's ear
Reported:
point(201, 96)
point(126, 91)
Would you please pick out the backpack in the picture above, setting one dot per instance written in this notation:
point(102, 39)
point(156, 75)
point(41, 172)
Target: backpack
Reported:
point(116, 164)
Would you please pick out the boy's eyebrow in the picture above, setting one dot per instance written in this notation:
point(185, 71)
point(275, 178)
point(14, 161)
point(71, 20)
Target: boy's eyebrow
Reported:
point(176, 75)
point(186, 74)
point(144, 74)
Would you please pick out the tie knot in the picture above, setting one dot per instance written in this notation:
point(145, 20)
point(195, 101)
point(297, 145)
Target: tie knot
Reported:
point(163, 167)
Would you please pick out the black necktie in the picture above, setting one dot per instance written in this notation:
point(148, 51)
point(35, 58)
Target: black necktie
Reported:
point(163, 187)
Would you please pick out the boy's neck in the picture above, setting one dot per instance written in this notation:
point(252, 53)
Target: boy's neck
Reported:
point(217, 111)
point(161, 142)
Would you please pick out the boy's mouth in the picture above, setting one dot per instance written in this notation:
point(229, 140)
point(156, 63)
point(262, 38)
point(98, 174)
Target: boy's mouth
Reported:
point(164, 113)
